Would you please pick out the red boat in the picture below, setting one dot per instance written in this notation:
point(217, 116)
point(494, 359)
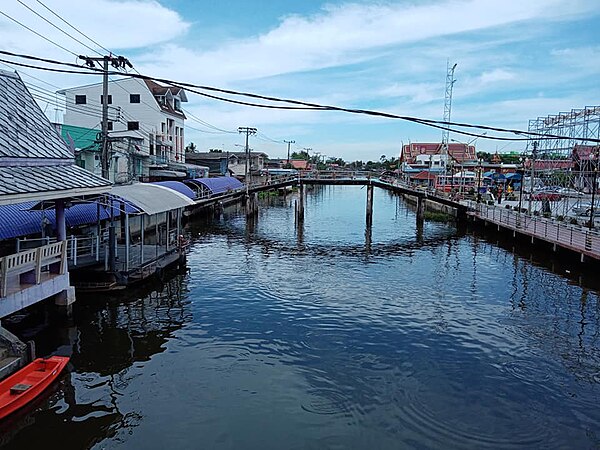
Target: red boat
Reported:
point(29, 382)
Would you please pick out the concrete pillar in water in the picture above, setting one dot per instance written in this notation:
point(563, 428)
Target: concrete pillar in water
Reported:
point(369, 205)
point(420, 209)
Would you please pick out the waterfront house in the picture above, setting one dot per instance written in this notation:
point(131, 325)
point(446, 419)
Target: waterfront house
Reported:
point(36, 166)
point(146, 127)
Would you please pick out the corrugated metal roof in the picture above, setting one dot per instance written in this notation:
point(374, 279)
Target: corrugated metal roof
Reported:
point(19, 183)
point(25, 132)
point(18, 220)
point(177, 186)
point(151, 198)
point(218, 185)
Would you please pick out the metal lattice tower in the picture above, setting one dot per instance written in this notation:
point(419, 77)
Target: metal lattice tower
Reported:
point(570, 161)
point(447, 108)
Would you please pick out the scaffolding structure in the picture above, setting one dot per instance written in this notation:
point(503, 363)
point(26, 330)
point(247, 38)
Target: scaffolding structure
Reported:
point(570, 161)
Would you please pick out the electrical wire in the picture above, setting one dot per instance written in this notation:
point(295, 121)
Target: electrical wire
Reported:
point(37, 34)
point(73, 27)
point(57, 27)
point(445, 125)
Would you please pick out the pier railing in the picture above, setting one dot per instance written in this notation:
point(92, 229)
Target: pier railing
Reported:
point(80, 249)
point(15, 268)
point(574, 237)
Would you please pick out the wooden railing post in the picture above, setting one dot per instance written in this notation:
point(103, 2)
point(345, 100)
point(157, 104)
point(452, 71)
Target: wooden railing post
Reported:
point(38, 265)
point(63, 258)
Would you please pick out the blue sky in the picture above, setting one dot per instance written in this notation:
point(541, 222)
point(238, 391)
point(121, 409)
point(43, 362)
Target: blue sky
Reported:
point(517, 60)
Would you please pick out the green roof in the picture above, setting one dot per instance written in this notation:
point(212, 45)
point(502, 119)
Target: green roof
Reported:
point(81, 137)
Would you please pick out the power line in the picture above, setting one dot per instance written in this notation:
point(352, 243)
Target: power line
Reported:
point(313, 106)
point(57, 27)
point(38, 34)
point(74, 28)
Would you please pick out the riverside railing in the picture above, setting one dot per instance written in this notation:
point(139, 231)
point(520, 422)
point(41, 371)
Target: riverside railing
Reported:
point(79, 248)
point(32, 261)
point(574, 237)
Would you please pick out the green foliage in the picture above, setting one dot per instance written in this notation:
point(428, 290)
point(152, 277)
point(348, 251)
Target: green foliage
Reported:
point(438, 217)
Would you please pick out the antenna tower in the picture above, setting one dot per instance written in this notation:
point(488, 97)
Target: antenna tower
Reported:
point(447, 109)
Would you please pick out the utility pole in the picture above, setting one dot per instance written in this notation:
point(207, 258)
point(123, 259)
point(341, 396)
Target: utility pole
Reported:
point(288, 143)
point(247, 131)
point(118, 62)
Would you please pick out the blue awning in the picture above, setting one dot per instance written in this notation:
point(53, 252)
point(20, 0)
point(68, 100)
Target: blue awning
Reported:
point(177, 186)
point(218, 185)
point(19, 220)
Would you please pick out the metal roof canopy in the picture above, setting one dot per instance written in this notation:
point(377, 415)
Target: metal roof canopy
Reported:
point(151, 198)
point(218, 185)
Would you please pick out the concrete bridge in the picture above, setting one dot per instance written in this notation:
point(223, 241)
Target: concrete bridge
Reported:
point(559, 234)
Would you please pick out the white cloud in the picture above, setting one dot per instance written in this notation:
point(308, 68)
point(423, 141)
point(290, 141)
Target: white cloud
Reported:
point(350, 33)
point(117, 25)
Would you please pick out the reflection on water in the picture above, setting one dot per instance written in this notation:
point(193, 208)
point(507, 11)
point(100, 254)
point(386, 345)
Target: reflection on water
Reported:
point(329, 335)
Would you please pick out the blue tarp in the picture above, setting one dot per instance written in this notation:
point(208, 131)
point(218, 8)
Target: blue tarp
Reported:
point(513, 176)
point(218, 185)
point(177, 186)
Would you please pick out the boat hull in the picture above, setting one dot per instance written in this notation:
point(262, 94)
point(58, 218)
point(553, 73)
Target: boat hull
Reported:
point(28, 383)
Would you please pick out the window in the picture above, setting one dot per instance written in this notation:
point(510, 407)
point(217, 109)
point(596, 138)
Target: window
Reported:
point(80, 100)
point(109, 99)
point(132, 126)
point(110, 125)
point(134, 98)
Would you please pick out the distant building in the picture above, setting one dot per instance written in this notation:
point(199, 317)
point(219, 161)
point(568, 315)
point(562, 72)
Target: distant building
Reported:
point(216, 162)
point(300, 164)
point(146, 125)
point(237, 162)
point(423, 153)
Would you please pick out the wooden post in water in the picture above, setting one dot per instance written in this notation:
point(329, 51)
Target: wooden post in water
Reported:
point(300, 213)
point(369, 205)
point(252, 205)
point(420, 209)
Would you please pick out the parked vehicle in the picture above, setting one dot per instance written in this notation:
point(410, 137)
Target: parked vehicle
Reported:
point(550, 196)
point(570, 192)
point(585, 209)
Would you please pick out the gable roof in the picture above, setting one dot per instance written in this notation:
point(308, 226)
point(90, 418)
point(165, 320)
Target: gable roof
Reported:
point(158, 89)
point(457, 151)
point(25, 132)
point(35, 163)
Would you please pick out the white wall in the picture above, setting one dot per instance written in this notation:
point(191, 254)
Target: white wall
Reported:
point(148, 113)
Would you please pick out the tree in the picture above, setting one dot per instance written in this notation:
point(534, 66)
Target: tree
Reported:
point(190, 148)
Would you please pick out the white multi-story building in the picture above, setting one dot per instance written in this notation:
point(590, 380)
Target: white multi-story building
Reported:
point(145, 115)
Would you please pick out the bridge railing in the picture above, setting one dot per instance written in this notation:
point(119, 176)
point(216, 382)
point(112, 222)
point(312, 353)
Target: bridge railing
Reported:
point(561, 233)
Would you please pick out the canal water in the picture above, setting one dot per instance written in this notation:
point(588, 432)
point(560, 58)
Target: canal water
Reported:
point(327, 337)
